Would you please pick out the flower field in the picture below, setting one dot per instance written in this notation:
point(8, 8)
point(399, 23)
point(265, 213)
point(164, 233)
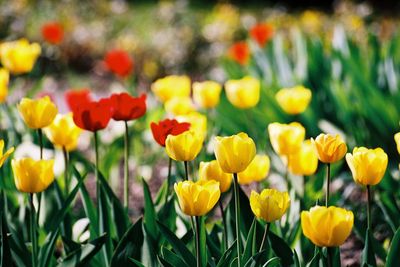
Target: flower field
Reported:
point(171, 134)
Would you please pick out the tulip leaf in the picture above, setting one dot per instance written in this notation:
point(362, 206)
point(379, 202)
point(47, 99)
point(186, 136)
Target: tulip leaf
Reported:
point(368, 255)
point(129, 246)
point(136, 263)
point(178, 245)
point(69, 245)
point(104, 223)
point(249, 248)
point(5, 252)
point(256, 259)
point(281, 249)
point(172, 258)
point(387, 203)
point(213, 243)
point(315, 260)
point(228, 256)
point(393, 259)
point(18, 248)
point(275, 261)
point(150, 217)
point(84, 254)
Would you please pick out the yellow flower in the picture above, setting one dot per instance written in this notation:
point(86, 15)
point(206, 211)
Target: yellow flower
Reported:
point(32, 176)
point(294, 100)
point(367, 165)
point(4, 78)
point(305, 161)
point(256, 171)
point(179, 105)
point(171, 86)
point(37, 113)
point(243, 93)
point(19, 56)
point(185, 146)
point(212, 171)
point(63, 132)
point(4, 156)
point(270, 204)
point(330, 148)
point(397, 139)
point(234, 153)
point(286, 139)
point(206, 94)
point(327, 227)
point(198, 122)
point(197, 198)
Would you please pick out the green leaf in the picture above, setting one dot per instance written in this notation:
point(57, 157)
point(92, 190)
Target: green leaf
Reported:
point(69, 245)
point(178, 245)
point(393, 259)
point(19, 249)
point(89, 208)
point(249, 248)
point(150, 217)
point(5, 252)
point(104, 223)
point(275, 261)
point(281, 249)
point(228, 257)
point(256, 259)
point(368, 255)
point(129, 246)
point(136, 263)
point(82, 256)
point(172, 258)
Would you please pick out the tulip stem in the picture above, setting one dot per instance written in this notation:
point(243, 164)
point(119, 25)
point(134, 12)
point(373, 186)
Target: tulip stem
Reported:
point(33, 231)
point(237, 216)
point(329, 256)
point(186, 171)
point(39, 195)
point(369, 224)
point(168, 178)
point(96, 171)
point(225, 233)
point(66, 177)
point(264, 236)
point(198, 255)
point(126, 167)
point(328, 181)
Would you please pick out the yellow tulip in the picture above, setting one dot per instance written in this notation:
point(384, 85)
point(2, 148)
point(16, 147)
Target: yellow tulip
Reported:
point(286, 139)
point(63, 132)
point(32, 176)
point(327, 226)
point(19, 56)
point(234, 153)
point(270, 204)
point(197, 198)
point(397, 139)
point(367, 165)
point(198, 122)
point(185, 146)
point(256, 171)
point(212, 171)
point(4, 79)
point(294, 100)
point(330, 148)
point(4, 156)
point(171, 86)
point(243, 93)
point(37, 113)
point(179, 105)
point(305, 161)
point(206, 94)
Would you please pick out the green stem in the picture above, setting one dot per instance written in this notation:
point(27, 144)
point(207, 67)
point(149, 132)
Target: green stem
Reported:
point(96, 171)
point(328, 182)
point(126, 167)
point(329, 257)
point(40, 135)
point(289, 184)
point(33, 231)
point(237, 216)
point(186, 171)
point(168, 178)
point(66, 176)
point(266, 230)
point(225, 234)
point(198, 255)
point(39, 195)
point(369, 203)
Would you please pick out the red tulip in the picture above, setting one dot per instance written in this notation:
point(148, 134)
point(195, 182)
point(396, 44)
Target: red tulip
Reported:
point(94, 115)
point(262, 33)
point(119, 62)
point(77, 98)
point(164, 128)
point(53, 33)
point(126, 107)
point(240, 52)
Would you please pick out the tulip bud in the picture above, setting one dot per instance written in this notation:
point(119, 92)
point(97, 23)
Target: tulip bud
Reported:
point(63, 132)
point(367, 165)
point(198, 122)
point(397, 140)
point(327, 226)
point(212, 171)
point(197, 198)
point(4, 156)
point(243, 93)
point(256, 171)
point(270, 204)
point(37, 113)
point(19, 56)
point(286, 139)
point(206, 94)
point(330, 148)
point(4, 79)
point(294, 100)
point(185, 146)
point(179, 105)
point(234, 153)
point(304, 161)
point(171, 86)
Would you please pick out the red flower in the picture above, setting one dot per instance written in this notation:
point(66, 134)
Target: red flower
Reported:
point(119, 62)
point(126, 107)
point(77, 98)
point(261, 33)
point(53, 32)
point(164, 128)
point(240, 52)
point(94, 115)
